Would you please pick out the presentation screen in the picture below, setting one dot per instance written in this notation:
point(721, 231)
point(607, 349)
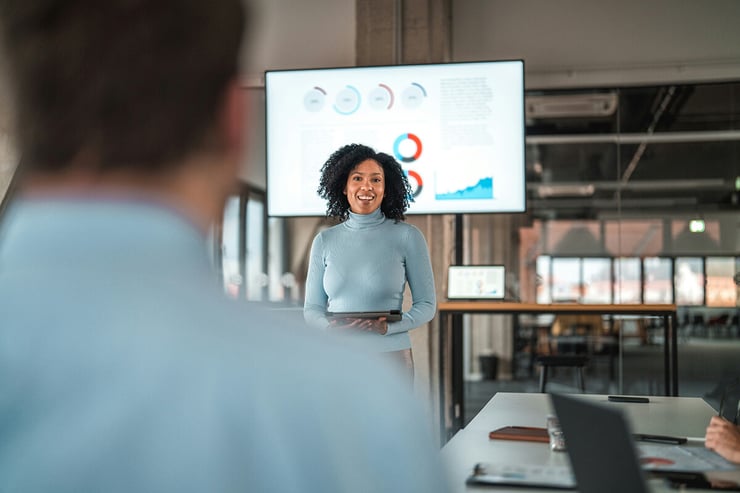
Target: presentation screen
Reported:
point(457, 129)
point(475, 282)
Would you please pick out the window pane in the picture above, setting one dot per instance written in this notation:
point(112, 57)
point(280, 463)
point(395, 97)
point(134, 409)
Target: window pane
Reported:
point(566, 279)
point(658, 280)
point(256, 276)
point(281, 282)
point(543, 280)
point(721, 289)
point(627, 280)
point(230, 267)
point(597, 280)
point(689, 281)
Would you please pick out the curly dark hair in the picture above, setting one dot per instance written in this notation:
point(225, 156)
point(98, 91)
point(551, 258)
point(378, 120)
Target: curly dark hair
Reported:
point(336, 170)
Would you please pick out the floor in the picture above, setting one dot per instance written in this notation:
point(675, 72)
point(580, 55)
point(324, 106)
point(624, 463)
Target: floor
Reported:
point(705, 367)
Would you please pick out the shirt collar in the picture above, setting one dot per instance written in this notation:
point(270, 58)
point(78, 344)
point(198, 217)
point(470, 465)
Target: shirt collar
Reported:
point(364, 221)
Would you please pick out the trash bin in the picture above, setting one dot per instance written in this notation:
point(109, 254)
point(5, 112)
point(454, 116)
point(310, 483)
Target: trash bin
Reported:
point(489, 366)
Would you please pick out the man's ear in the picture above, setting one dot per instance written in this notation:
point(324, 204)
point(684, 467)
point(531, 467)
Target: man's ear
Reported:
point(234, 118)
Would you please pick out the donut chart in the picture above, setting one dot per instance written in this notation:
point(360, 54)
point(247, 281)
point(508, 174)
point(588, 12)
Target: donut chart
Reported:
point(407, 157)
point(415, 177)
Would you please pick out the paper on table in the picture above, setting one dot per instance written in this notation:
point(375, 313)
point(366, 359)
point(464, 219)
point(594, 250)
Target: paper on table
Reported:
point(657, 457)
point(560, 477)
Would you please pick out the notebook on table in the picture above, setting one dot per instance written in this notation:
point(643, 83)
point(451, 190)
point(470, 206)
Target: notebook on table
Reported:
point(520, 433)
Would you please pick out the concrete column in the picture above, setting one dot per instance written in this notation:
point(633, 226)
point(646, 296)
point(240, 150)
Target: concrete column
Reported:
point(403, 31)
point(414, 31)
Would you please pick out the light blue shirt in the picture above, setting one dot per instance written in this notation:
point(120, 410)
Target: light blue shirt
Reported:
point(363, 264)
point(123, 368)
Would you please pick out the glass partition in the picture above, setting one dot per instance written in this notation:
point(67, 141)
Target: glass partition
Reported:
point(633, 197)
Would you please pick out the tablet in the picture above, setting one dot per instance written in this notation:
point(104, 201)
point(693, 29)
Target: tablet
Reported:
point(390, 315)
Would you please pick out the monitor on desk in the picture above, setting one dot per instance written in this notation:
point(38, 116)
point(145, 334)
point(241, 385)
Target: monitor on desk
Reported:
point(476, 282)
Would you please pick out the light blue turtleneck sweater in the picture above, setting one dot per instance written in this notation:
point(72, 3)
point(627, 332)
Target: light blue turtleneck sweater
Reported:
point(363, 264)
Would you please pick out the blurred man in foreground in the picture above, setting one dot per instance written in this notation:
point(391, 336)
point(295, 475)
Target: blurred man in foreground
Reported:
point(122, 366)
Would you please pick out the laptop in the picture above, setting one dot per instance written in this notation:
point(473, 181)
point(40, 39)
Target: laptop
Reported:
point(600, 446)
point(603, 455)
point(476, 282)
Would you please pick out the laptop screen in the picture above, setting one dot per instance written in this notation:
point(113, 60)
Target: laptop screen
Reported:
point(476, 282)
point(600, 446)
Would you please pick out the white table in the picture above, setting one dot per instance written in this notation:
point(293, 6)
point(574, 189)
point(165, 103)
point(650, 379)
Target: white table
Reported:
point(677, 416)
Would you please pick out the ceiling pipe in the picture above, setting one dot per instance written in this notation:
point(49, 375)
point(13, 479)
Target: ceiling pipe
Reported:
point(661, 137)
point(651, 129)
point(649, 185)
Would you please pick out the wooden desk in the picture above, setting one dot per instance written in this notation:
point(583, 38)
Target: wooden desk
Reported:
point(682, 416)
point(450, 344)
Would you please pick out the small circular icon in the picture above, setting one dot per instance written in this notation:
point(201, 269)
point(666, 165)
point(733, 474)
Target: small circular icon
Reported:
point(314, 99)
point(381, 98)
point(413, 95)
point(347, 101)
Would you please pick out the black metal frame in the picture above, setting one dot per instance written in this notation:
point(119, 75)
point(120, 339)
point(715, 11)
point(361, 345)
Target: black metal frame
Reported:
point(450, 346)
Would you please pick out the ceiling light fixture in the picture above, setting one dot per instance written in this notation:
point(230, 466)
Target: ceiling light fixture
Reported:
point(697, 226)
point(548, 191)
point(571, 105)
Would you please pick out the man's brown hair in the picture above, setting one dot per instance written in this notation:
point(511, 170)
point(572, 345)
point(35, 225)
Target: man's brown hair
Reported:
point(128, 83)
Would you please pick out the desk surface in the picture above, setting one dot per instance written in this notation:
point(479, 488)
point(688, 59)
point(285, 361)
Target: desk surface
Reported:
point(684, 416)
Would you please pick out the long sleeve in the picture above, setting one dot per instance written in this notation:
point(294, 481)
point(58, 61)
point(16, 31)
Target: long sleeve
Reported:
point(314, 307)
point(420, 277)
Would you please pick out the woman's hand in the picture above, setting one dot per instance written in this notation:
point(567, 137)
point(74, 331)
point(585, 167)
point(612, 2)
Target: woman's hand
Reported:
point(379, 326)
point(724, 438)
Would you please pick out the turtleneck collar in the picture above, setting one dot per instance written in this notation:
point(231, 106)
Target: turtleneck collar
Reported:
point(364, 221)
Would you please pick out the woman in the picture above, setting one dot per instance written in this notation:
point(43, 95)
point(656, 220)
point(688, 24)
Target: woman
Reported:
point(363, 263)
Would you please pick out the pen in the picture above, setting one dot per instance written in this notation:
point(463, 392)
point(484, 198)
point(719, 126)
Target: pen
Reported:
point(640, 437)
